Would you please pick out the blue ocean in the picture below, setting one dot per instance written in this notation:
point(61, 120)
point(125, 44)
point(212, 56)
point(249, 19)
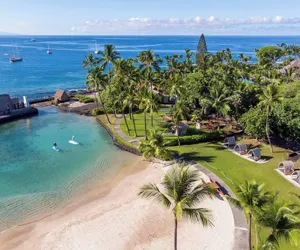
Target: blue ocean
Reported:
point(41, 74)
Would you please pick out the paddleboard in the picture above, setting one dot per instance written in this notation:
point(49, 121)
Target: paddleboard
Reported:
point(73, 142)
point(55, 148)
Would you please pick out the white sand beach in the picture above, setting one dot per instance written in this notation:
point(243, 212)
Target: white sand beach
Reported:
point(113, 217)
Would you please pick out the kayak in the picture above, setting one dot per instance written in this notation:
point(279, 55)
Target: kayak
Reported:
point(73, 142)
point(55, 148)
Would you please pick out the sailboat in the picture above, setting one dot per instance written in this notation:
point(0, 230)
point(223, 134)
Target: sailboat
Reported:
point(49, 52)
point(15, 58)
point(96, 48)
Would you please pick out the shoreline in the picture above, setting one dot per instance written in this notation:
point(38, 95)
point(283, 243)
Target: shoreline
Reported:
point(112, 216)
point(84, 198)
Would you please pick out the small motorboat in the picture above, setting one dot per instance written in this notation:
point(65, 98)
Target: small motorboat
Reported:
point(16, 59)
point(6, 54)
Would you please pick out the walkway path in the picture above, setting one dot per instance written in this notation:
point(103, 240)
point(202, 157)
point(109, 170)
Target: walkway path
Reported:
point(241, 231)
point(118, 129)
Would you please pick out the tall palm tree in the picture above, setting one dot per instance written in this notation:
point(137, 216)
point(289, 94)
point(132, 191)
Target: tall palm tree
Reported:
point(178, 114)
point(89, 61)
point(268, 98)
point(250, 198)
point(148, 103)
point(144, 97)
point(282, 221)
point(97, 80)
point(181, 191)
point(108, 56)
point(149, 63)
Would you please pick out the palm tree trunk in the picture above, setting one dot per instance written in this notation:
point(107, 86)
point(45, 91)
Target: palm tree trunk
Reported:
point(151, 119)
point(267, 129)
point(102, 104)
point(175, 235)
point(250, 225)
point(145, 125)
point(177, 132)
point(127, 128)
point(96, 101)
point(133, 121)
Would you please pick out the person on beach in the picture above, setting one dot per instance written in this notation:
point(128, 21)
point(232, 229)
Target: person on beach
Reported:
point(54, 144)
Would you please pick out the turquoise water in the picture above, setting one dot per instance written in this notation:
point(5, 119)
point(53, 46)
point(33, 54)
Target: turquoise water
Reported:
point(34, 178)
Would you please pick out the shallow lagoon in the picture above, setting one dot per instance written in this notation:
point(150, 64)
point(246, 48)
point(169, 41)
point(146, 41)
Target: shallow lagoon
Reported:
point(36, 179)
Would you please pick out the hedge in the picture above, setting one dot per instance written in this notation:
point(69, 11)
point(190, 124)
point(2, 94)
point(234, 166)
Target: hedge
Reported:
point(193, 139)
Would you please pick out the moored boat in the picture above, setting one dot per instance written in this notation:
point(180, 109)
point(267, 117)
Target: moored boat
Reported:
point(16, 59)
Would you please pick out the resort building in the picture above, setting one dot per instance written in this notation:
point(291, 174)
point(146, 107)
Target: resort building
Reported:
point(7, 104)
point(11, 108)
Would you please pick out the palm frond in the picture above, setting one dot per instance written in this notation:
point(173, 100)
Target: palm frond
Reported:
point(151, 191)
point(201, 215)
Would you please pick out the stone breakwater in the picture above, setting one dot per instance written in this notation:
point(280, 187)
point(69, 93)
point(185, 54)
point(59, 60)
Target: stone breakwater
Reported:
point(18, 114)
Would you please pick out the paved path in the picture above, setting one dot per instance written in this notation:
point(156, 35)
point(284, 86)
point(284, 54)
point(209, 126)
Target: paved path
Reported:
point(118, 129)
point(241, 231)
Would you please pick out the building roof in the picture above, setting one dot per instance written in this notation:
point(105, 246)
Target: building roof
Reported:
point(292, 64)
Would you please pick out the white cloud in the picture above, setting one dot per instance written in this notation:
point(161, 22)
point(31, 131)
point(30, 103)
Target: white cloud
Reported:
point(138, 25)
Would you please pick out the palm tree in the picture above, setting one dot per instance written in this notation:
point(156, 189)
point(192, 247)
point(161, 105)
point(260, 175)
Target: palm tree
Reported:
point(149, 63)
point(178, 114)
point(181, 191)
point(177, 86)
point(144, 97)
point(154, 146)
point(89, 61)
point(219, 98)
point(268, 98)
point(250, 198)
point(148, 103)
point(108, 56)
point(282, 221)
point(96, 79)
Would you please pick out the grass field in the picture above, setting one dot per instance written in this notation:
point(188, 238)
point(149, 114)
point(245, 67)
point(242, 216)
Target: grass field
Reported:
point(139, 123)
point(234, 169)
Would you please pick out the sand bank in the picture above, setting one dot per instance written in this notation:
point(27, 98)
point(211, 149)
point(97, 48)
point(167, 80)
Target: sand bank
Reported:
point(113, 217)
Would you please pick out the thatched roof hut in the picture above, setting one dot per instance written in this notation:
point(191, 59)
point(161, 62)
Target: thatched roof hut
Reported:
point(230, 141)
point(241, 148)
point(255, 154)
point(287, 167)
point(61, 96)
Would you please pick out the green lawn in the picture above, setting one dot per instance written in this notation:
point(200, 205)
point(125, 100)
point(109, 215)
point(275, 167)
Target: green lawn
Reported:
point(139, 123)
point(234, 169)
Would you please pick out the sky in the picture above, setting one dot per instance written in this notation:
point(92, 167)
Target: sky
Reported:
point(150, 17)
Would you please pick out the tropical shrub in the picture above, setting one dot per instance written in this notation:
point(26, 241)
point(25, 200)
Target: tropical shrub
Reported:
point(154, 146)
point(97, 111)
point(193, 139)
point(254, 123)
point(84, 98)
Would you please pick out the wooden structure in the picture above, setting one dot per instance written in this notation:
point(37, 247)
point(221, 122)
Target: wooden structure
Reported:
point(61, 96)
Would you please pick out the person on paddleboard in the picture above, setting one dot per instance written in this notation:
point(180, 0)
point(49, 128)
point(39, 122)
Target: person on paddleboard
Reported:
point(73, 138)
point(55, 145)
